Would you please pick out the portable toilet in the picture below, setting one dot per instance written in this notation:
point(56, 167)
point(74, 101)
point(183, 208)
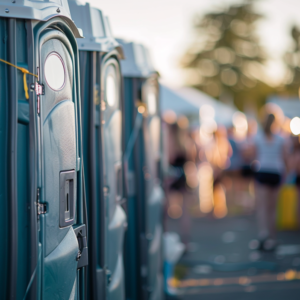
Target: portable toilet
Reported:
point(102, 104)
point(142, 159)
point(42, 213)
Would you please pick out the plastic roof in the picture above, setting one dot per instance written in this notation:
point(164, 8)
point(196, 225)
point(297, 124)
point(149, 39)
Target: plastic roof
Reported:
point(137, 61)
point(95, 26)
point(41, 10)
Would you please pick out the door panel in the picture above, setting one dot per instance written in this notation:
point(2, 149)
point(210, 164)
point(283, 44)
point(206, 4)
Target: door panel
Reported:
point(59, 171)
point(116, 218)
point(58, 283)
point(60, 155)
point(154, 193)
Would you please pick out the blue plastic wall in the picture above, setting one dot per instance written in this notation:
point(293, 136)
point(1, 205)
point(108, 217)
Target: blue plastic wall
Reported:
point(21, 145)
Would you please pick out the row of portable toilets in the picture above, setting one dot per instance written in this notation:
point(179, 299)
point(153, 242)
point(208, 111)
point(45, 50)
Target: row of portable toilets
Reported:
point(80, 158)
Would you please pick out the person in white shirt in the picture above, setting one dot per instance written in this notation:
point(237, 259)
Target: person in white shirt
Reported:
point(269, 166)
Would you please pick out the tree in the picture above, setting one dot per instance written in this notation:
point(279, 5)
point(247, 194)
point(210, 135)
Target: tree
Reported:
point(292, 61)
point(225, 60)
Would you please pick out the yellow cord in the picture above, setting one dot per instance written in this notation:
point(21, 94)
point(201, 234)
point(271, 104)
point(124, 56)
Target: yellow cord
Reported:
point(24, 71)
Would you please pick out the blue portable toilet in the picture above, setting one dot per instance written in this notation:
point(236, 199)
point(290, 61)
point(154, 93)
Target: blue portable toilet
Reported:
point(102, 109)
point(142, 159)
point(41, 194)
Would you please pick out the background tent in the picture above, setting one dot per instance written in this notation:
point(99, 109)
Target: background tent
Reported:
point(187, 101)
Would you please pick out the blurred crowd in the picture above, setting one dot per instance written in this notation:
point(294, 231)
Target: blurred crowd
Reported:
point(244, 167)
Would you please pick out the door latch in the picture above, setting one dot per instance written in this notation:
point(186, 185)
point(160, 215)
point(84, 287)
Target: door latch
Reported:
point(108, 276)
point(82, 255)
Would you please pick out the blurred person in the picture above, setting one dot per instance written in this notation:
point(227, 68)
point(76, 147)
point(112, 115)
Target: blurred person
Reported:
point(247, 174)
point(232, 178)
point(218, 152)
point(270, 160)
point(177, 155)
point(235, 158)
point(294, 167)
point(177, 193)
point(247, 171)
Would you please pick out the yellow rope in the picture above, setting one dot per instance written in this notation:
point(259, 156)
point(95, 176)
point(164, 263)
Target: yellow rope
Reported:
point(24, 71)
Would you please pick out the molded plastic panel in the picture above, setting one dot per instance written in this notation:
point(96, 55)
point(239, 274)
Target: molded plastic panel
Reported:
point(154, 199)
point(155, 203)
point(60, 269)
point(59, 156)
point(145, 232)
point(116, 215)
point(116, 218)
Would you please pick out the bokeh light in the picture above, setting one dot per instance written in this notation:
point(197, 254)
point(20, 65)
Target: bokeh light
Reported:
point(141, 109)
point(190, 170)
point(220, 206)
point(240, 124)
point(169, 117)
point(206, 112)
point(295, 126)
point(183, 122)
point(205, 175)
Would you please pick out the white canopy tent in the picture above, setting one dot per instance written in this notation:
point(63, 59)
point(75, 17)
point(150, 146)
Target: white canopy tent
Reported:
point(188, 101)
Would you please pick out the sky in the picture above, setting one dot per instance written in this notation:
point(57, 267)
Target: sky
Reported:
point(165, 27)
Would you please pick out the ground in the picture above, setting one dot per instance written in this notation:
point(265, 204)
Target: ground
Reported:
point(219, 264)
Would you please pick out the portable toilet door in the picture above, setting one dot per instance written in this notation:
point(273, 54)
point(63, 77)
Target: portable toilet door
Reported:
point(103, 144)
point(48, 241)
point(154, 195)
point(145, 195)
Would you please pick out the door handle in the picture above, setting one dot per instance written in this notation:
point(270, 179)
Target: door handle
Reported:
point(67, 198)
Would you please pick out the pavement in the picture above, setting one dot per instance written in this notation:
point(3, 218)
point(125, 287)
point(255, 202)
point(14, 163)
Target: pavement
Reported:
point(219, 264)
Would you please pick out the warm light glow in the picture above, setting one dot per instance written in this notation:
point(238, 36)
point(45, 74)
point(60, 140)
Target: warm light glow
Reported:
point(295, 126)
point(183, 122)
point(240, 124)
point(206, 131)
point(286, 125)
point(141, 109)
point(190, 171)
point(290, 274)
point(205, 175)
point(169, 117)
point(220, 207)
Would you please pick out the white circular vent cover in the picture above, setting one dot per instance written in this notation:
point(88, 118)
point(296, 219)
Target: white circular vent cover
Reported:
point(55, 71)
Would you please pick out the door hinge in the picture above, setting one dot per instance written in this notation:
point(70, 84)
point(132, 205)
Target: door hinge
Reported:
point(39, 89)
point(41, 207)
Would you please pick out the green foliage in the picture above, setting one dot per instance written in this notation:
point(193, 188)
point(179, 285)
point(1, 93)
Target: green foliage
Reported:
point(292, 61)
point(225, 59)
